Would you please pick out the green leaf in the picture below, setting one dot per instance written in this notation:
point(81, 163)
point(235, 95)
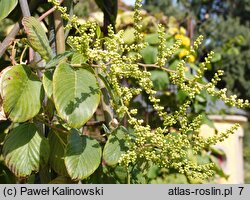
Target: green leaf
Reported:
point(98, 31)
point(207, 121)
point(201, 98)
point(6, 6)
point(149, 54)
point(152, 39)
point(57, 142)
point(108, 88)
point(217, 167)
point(58, 58)
point(153, 172)
point(83, 155)
point(181, 96)
point(129, 36)
point(78, 58)
point(160, 79)
point(47, 83)
point(22, 93)
point(37, 37)
point(25, 149)
point(115, 146)
point(193, 66)
point(216, 57)
point(76, 94)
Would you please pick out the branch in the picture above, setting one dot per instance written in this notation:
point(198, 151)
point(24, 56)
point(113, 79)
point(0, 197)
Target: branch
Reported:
point(156, 66)
point(60, 38)
point(48, 12)
point(26, 13)
point(94, 123)
point(11, 36)
point(34, 4)
point(24, 7)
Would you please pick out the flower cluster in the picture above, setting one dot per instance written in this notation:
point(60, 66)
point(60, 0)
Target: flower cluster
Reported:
point(160, 146)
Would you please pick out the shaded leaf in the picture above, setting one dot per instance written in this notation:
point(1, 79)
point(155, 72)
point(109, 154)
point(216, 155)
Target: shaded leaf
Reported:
point(62, 180)
point(57, 142)
point(6, 6)
point(160, 79)
point(149, 55)
point(115, 146)
point(37, 37)
point(25, 149)
point(22, 93)
point(152, 39)
point(76, 94)
point(83, 155)
point(216, 57)
point(6, 176)
point(217, 168)
point(207, 121)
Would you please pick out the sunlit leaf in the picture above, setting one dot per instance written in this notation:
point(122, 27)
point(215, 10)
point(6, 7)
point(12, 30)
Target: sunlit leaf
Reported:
point(22, 93)
point(47, 83)
point(76, 94)
point(37, 37)
point(115, 146)
point(6, 6)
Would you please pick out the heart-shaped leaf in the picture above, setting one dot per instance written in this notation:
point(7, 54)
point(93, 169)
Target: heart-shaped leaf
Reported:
point(25, 149)
point(37, 37)
point(115, 146)
point(22, 93)
point(83, 155)
point(76, 94)
point(6, 6)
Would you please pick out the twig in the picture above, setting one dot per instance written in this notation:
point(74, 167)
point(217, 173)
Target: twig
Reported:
point(156, 66)
point(13, 54)
point(22, 55)
point(48, 12)
point(85, 65)
point(11, 36)
point(50, 125)
point(94, 123)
